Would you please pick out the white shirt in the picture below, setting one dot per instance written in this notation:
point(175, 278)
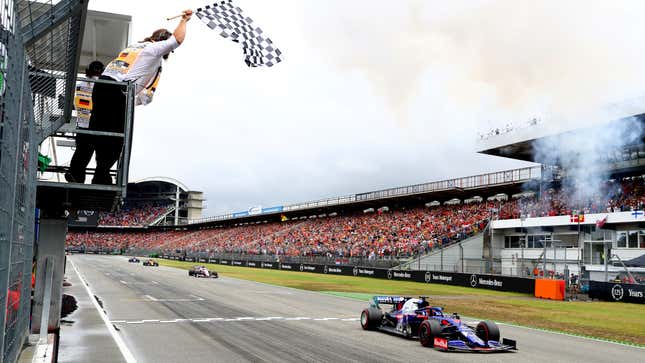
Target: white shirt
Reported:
point(146, 65)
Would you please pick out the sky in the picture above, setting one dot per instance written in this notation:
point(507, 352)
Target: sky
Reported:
point(373, 94)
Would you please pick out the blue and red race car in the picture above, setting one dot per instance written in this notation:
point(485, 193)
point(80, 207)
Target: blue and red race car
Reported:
point(415, 318)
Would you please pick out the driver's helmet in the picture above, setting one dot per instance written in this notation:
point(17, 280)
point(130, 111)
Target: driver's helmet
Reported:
point(411, 305)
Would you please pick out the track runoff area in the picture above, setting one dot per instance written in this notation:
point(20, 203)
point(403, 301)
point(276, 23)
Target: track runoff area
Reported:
point(160, 314)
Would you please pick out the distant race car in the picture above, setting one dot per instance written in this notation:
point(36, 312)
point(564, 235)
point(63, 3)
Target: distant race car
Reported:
point(134, 260)
point(416, 319)
point(150, 262)
point(201, 271)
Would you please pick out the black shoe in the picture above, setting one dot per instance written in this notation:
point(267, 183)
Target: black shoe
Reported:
point(70, 178)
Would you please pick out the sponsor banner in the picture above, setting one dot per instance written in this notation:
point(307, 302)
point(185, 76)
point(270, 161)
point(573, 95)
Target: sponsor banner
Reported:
point(273, 209)
point(338, 270)
point(272, 265)
point(253, 264)
point(237, 263)
point(241, 214)
point(84, 218)
point(213, 260)
point(189, 259)
point(203, 260)
point(619, 292)
point(304, 267)
point(289, 266)
point(369, 272)
point(224, 262)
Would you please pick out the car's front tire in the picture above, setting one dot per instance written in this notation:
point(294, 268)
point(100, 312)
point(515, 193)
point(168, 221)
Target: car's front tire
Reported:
point(428, 330)
point(487, 330)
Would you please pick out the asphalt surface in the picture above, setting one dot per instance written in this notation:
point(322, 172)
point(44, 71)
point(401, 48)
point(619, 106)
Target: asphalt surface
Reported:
point(163, 315)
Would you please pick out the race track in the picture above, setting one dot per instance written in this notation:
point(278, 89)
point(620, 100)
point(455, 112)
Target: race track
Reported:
point(165, 316)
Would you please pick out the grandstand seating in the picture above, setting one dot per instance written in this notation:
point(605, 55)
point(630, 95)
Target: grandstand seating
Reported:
point(396, 233)
point(135, 214)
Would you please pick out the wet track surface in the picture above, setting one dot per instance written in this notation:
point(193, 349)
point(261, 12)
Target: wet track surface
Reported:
point(165, 316)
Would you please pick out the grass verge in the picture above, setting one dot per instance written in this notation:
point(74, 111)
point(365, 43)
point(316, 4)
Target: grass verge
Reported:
point(619, 322)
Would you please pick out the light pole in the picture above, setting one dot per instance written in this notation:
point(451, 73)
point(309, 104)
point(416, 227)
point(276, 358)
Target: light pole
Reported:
point(522, 242)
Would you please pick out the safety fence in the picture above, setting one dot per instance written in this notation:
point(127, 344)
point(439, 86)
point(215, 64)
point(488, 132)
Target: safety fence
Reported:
point(18, 154)
point(38, 39)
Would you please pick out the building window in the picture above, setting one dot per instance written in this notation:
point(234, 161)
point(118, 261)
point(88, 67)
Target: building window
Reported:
point(633, 239)
point(621, 239)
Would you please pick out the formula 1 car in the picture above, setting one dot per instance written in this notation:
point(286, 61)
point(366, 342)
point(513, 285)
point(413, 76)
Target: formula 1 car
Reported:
point(201, 271)
point(150, 262)
point(134, 260)
point(416, 319)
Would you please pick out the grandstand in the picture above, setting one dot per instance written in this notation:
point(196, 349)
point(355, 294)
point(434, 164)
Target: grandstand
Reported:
point(149, 202)
point(443, 225)
point(562, 231)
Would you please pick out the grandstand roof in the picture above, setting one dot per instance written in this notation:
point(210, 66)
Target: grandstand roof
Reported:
point(521, 146)
point(163, 179)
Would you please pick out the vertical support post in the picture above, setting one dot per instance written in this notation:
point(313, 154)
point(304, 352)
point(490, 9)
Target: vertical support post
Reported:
point(605, 254)
point(461, 256)
point(177, 206)
point(51, 250)
point(544, 259)
point(44, 319)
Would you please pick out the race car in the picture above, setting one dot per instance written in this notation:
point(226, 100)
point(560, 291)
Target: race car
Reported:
point(414, 318)
point(150, 262)
point(201, 271)
point(134, 260)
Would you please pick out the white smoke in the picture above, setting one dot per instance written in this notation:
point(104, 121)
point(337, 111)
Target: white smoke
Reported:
point(584, 155)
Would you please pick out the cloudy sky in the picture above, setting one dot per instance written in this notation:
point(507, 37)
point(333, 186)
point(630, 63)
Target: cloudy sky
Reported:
point(373, 94)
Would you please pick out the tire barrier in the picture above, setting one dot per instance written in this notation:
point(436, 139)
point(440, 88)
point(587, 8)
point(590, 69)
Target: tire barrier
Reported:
point(480, 281)
point(611, 291)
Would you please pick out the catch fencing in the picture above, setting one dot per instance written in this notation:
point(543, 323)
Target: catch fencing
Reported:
point(39, 49)
point(18, 155)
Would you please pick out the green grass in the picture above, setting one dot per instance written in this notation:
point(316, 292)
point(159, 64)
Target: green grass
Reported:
point(613, 321)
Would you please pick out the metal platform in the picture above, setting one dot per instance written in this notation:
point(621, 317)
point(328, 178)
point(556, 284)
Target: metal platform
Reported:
point(74, 196)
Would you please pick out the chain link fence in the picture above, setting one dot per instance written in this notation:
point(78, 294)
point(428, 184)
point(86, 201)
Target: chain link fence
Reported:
point(18, 154)
point(39, 51)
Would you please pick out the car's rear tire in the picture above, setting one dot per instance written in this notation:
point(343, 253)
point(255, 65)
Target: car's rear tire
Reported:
point(487, 330)
point(428, 330)
point(371, 318)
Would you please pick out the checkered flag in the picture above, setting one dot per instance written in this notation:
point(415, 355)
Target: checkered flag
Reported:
point(228, 19)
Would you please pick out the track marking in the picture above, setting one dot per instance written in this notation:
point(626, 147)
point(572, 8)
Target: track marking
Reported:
point(231, 320)
point(123, 282)
point(195, 298)
point(155, 282)
point(127, 354)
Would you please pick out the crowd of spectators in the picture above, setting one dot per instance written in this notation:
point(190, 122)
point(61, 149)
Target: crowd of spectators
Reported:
point(135, 214)
point(369, 234)
point(615, 196)
point(398, 233)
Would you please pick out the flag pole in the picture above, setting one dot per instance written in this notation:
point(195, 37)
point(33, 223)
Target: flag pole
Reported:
point(174, 17)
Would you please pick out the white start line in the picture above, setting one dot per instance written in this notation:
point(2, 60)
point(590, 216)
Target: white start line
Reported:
point(237, 319)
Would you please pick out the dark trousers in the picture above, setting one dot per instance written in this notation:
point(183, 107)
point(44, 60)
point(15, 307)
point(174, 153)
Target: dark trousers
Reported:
point(82, 156)
point(108, 114)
